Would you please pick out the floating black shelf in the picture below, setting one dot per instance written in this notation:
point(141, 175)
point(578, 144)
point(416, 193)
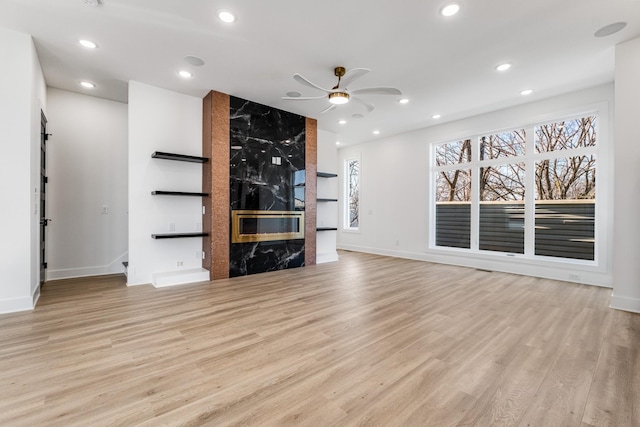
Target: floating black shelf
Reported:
point(326, 228)
point(326, 175)
point(179, 157)
point(178, 235)
point(327, 200)
point(177, 193)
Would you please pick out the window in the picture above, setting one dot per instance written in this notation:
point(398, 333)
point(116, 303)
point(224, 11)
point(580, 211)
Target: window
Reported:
point(566, 189)
point(453, 195)
point(527, 191)
point(502, 190)
point(352, 211)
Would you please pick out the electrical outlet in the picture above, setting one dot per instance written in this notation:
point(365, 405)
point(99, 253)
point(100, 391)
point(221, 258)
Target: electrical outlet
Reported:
point(574, 277)
point(172, 226)
point(179, 263)
point(105, 209)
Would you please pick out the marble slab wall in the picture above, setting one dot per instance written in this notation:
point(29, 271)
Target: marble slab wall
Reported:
point(266, 173)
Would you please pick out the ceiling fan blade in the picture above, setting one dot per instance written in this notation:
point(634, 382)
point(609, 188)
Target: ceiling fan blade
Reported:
point(303, 98)
point(352, 75)
point(329, 108)
point(376, 91)
point(369, 107)
point(297, 77)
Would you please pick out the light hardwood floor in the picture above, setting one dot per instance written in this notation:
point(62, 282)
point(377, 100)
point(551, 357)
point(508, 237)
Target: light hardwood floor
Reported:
point(368, 340)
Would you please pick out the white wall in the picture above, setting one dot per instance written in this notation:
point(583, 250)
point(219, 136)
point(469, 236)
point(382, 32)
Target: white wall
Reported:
point(327, 212)
point(87, 170)
point(161, 120)
point(626, 265)
point(394, 191)
point(23, 95)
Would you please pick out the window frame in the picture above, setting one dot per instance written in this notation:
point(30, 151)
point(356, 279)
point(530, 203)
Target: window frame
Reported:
point(346, 207)
point(603, 190)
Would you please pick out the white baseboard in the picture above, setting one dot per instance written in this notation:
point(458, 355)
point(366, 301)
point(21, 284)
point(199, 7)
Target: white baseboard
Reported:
point(326, 257)
point(35, 297)
point(625, 303)
point(179, 277)
point(115, 267)
point(13, 305)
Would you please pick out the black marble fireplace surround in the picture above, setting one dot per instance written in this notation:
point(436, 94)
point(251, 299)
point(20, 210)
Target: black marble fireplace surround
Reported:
point(266, 173)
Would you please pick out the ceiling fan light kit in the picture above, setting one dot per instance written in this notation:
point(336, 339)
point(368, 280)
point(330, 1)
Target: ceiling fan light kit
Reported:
point(338, 98)
point(341, 95)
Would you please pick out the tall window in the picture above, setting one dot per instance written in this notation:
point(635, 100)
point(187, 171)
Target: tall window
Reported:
point(502, 190)
point(541, 179)
point(352, 211)
point(453, 194)
point(565, 187)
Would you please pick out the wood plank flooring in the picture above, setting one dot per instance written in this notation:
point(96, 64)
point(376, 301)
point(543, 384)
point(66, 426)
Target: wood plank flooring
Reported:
point(366, 341)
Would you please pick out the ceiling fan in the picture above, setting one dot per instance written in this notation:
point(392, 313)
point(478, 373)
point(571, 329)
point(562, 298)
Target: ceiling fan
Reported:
point(339, 95)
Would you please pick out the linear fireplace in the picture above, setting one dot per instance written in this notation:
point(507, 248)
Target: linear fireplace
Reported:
point(263, 226)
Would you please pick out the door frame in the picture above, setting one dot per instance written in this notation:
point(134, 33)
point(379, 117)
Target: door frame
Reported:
point(44, 136)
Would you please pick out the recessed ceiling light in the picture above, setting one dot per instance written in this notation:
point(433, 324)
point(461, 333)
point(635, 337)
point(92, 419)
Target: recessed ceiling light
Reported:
point(503, 67)
point(337, 142)
point(376, 132)
point(357, 116)
point(526, 92)
point(436, 116)
point(194, 60)
point(92, 2)
point(88, 85)
point(450, 10)
point(185, 74)
point(610, 29)
point(88, 44)
point(342, 122)
point(294, 94)
point(226, 16)
point(404, 101)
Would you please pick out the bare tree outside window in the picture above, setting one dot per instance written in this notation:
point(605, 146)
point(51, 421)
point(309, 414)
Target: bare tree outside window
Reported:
point(453, 153)
point(453, 185)
point(502, 182)
point(353, 193)
point(503, 144)
point(571, 177)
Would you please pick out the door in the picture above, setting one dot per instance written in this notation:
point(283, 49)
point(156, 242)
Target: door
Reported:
point(43, 195)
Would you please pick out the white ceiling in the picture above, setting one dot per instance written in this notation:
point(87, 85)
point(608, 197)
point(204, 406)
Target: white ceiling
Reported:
point(443, 65)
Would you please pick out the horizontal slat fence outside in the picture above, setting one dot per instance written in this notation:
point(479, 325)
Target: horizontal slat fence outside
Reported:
point(564, 229)
point(453, 225)
point(502, 227)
